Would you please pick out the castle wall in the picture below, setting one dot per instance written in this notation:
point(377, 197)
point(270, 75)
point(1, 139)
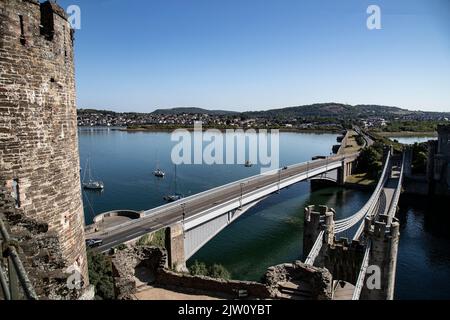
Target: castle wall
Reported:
point(39, 162)
point(444, 141)
point(438, 166)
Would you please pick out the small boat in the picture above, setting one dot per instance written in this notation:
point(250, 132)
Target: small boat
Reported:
point(94, 185)
point(91, 184)
point(248, 164)
point(159, 173)
point(176, 196)
point(173, 197)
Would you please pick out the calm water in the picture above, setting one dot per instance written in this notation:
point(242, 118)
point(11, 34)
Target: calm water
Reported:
point(125, 163)
point(423, 270)
point(271, 232)
point(412, 140)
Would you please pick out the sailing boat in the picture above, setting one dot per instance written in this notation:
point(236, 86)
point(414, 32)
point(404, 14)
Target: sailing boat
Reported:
point(176, 196)
point(158, 172)
point(91, 184)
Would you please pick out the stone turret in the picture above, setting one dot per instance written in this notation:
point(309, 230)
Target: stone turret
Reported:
point(39, 161)
point(385, 239)
point(444, 141)
point(317, 219)
point(438, 166)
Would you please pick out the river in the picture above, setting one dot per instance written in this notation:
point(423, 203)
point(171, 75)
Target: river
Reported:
point(271, 232)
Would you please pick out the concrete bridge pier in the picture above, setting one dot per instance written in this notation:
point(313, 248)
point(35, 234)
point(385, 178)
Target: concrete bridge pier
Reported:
point(175, 247)
point(384, 240)
point(344, 171)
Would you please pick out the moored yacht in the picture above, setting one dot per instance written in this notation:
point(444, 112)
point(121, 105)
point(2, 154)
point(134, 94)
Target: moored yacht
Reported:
point(91, 184)
point(175, 196)
point(159, 173)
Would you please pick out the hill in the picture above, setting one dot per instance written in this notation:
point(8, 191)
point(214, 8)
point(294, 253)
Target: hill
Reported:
point(192, 111)
point(333, 110)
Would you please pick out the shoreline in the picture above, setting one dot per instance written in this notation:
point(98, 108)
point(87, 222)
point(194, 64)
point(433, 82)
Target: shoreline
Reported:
point(170, 129)
point(316, 131)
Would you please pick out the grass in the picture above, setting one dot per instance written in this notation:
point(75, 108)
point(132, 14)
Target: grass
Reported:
point(352, 144)
point(398, 147)
point(408, 134)
point(360, 179)
point(155, 239)
point(216, 271)
point(100, 275)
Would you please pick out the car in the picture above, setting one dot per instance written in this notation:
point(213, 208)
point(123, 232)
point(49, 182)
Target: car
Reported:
point(93, 243)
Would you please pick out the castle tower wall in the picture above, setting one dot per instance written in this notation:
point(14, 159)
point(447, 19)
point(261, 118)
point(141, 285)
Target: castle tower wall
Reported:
point(311, 228)
point(444, 141)
point(39, 162)
point(385, 241)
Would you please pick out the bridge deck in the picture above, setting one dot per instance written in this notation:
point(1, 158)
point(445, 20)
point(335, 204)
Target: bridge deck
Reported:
point(343, 291)
point(388, 192)
point(198, 204)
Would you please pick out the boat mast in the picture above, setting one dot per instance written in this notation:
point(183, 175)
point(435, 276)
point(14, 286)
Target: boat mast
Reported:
point(157, 160)
point(85, 170)
point(175, 179)
point(90, 173)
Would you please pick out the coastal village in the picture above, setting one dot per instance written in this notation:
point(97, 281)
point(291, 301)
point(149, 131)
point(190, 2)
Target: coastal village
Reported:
point(186, 117)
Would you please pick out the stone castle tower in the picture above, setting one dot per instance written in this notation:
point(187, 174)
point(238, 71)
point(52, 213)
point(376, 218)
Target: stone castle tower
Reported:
point(39, 162)
point(438, 166)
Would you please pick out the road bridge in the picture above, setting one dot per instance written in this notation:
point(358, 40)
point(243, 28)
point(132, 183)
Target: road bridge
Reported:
point(193, 221)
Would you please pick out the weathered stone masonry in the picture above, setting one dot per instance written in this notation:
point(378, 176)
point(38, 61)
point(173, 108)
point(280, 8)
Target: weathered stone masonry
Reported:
point(39, 163)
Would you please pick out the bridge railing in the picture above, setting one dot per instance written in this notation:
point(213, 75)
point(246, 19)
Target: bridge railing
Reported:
point(315, 249)
point(398, 191)
point(347, 223)
point(14, 281)
point(365, 263)
point(362, 273)
point(367, 142)
point(268, 189)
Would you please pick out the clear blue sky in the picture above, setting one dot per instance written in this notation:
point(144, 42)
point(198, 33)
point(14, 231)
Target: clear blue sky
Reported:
point(139, 55)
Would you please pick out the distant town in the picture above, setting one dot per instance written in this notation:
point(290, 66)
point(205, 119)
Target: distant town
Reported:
point(322, 117)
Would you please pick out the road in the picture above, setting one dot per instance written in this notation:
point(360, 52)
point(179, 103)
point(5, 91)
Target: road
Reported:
point(195, 205)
